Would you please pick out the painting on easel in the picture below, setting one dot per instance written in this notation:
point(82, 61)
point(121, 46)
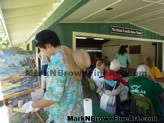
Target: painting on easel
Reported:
point(18, 73)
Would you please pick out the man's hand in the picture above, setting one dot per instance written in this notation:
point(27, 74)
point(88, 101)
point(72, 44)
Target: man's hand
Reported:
point(36, 105)
point(27, 107)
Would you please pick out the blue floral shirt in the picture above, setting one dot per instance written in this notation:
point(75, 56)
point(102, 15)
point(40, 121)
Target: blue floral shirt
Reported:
point(63, 90)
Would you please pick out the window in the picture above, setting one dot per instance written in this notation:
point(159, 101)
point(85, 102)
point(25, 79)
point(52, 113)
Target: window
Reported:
point(135, 49)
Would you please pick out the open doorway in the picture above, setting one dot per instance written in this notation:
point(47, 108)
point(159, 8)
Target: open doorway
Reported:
point(92, 45)
point(138, 48)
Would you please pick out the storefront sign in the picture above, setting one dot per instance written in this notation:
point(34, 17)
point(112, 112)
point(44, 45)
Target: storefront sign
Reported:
point(115, 29)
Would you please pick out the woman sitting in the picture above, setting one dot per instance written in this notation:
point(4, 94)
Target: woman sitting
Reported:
point(144, 86)
point(97, 74)
point(113, 92)
point(113, 74)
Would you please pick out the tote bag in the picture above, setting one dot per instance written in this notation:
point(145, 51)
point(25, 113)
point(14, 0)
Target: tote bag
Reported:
point(108, 103)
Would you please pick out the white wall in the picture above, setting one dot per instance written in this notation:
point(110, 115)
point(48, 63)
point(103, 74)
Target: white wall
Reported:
point(111, 48)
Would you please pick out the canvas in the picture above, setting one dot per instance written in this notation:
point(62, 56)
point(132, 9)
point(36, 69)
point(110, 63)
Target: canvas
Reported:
point(18, 73)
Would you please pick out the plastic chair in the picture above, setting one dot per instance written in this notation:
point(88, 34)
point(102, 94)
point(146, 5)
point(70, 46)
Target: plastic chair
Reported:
point(92, 87)
point(142, 106)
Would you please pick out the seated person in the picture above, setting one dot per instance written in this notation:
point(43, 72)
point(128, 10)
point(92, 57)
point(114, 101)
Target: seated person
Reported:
point(153, 69)
point(146, 87)
point(97, 74)
point(110, 99)
point(112, 93)
point(113, 74)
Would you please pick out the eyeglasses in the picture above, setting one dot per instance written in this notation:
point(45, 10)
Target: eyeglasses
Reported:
point(36, 42)
point(40, 42)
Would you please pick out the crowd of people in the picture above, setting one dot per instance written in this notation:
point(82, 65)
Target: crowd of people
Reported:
point(143, 83)
point(64, 94)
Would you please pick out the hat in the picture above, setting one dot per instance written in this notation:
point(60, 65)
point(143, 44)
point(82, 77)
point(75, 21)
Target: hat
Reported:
point(115, 65)
point(81, 58)
point(143, 70)
point(76, 61)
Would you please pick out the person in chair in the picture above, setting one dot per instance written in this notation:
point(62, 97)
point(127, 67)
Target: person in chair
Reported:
point(142, 85)
point(97, 74)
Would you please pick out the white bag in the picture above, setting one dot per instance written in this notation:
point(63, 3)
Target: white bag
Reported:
point(111, 109)
point(108, 103)
point(104, 101)
point(112, 101)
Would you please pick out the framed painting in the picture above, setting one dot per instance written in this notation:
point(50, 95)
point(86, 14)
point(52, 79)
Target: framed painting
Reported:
point(18, 73)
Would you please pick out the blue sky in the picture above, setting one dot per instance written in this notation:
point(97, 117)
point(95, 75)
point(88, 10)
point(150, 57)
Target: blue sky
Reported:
point(10, 56)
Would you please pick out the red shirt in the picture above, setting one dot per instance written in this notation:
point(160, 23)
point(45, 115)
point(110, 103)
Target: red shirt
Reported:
point(112, 75)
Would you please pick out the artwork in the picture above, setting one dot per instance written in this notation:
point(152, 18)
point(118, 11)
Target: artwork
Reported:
point(18, 74)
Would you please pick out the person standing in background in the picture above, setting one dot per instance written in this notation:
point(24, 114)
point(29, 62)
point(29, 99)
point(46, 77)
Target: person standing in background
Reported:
point(123, 57)
point(44, 64)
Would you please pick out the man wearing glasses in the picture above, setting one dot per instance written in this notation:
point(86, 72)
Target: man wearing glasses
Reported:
point(63, 92)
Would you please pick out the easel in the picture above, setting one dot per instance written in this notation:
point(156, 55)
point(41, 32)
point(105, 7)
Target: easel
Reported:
point(20, 111)
point(37, 114)
point(28, 62)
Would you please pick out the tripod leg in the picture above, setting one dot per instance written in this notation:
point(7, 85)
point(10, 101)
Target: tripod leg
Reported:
point(39, 116)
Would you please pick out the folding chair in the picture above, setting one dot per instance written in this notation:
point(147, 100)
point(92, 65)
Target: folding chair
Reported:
point(142, 106)
point(92, 87)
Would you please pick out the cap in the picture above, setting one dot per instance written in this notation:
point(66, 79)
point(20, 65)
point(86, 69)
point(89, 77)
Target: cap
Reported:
point(115, 65)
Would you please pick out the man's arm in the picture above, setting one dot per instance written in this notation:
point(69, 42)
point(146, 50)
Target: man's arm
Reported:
point(34, 106)
point(42, 103)
point(55, 89)
point(157, 73)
